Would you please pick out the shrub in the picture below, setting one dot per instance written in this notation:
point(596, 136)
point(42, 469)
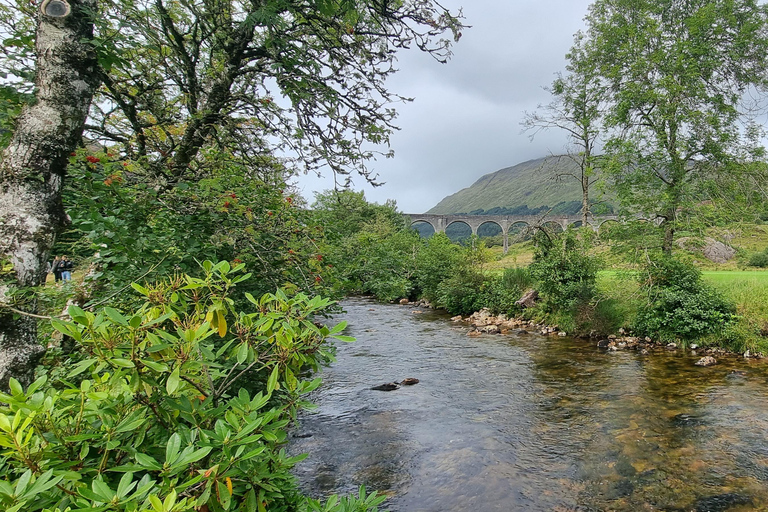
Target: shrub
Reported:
point(153, 416)
point(438, 260)
point(501, 293)
point(462, 293)
point(679, 305)
point(759, 259)
point(565, 273)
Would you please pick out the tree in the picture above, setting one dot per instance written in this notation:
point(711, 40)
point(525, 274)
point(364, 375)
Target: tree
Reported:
point(33, 167)
point(679, 74)
point(577, 109)
point(259, 76)
point(245, 79)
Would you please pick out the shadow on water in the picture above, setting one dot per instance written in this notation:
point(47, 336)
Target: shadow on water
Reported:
point(531, 423)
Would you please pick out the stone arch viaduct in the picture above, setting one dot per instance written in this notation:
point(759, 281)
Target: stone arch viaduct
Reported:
point(505, 222)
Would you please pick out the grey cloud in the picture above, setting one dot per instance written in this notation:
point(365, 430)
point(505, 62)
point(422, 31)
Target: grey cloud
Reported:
point(465, 120)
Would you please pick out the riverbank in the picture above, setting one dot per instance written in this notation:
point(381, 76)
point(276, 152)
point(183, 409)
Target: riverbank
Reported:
point(484, 322)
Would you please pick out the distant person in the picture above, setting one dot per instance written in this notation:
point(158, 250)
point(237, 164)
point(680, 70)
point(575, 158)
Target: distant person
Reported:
point(56, 268)
point(66, 268)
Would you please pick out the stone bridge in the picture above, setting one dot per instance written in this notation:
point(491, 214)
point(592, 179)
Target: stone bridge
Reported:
point(505, 222)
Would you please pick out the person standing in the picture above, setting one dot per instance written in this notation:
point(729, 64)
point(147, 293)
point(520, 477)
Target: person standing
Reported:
point(56, 268)
point(66, 268)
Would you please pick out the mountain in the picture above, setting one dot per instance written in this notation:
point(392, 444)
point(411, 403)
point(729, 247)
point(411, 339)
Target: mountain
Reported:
point(527, 188)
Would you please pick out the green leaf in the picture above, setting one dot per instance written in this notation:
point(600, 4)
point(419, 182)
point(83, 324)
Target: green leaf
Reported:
point(272, 381)
point(125, 485)
point(154, 365)
point(172, 384)
point(172, 449)
point(16, 389)
point(140, 289)
point(147, 462)
point(157, 505)
point(22, 482)
point(135, 321)
point(242, 353)
point(122, 363)
point(116, 316)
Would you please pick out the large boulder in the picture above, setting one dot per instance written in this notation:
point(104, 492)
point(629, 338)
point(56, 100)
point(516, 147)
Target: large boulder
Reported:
point(714, 251)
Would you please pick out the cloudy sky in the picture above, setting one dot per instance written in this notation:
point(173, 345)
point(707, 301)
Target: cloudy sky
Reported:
point(465, 120)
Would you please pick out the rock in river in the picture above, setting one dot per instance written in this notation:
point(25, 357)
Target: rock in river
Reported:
point(389, 386)
point(409, 381)
point(706, 361)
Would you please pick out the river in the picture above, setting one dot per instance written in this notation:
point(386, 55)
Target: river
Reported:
point(528, 422)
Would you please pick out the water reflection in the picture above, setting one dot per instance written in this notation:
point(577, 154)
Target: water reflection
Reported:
point(532, 423)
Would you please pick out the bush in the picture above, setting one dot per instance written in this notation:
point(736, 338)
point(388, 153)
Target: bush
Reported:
point(565, 273)
point(462, 293)
point(759, 259)
point(680, 305)
point(438, 260)
point(501, 293)
point(153, 417)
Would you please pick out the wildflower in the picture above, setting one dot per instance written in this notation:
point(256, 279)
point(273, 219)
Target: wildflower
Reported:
point(92, 159)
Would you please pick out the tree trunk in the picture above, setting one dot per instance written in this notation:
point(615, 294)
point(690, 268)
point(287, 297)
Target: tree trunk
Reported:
point(584, 199)
point(33, 167)
point(669, 237)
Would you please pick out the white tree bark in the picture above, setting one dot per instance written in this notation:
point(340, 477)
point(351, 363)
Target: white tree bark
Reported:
point(32, 170)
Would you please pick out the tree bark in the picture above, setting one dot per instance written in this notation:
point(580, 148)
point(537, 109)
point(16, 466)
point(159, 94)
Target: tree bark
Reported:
point(32, 171)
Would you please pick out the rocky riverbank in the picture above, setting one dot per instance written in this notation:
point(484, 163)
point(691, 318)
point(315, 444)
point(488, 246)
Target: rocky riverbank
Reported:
point(483, 322)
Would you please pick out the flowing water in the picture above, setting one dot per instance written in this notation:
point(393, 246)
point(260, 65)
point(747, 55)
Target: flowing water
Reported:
point(527, 422)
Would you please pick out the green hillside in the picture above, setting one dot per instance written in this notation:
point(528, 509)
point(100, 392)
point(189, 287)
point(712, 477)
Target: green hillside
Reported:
point(526, 188)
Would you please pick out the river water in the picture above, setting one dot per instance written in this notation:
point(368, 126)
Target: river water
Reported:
point(528, 422)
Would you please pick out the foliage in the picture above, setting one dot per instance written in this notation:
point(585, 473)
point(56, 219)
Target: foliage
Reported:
point(502, 292)
point(679, 304)
point(565, 272)
point(370, 247)
point(463, 292)
point(678, 77)
point(153, 416)
point(576, 109)
point(230, 213)
point(759, 259)
point(438, 259)
point(269, 76)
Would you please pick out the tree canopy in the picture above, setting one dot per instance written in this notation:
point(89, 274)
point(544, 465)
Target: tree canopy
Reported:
point(679, 78)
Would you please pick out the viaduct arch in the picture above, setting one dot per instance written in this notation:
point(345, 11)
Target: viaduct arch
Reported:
point(440, 222)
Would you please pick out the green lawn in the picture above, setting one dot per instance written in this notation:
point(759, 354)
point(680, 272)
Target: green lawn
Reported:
point(725, 277)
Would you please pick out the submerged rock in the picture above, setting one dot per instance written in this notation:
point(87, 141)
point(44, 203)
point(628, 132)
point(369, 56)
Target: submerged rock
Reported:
point(721, 502)
point(389, 386)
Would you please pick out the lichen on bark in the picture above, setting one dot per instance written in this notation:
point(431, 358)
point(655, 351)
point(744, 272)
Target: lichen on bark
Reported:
point(32, 171)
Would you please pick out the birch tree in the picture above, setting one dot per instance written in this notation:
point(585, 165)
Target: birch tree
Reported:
point(33, 169)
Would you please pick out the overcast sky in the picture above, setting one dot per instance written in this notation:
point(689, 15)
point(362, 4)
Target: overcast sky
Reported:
point(465, 119)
